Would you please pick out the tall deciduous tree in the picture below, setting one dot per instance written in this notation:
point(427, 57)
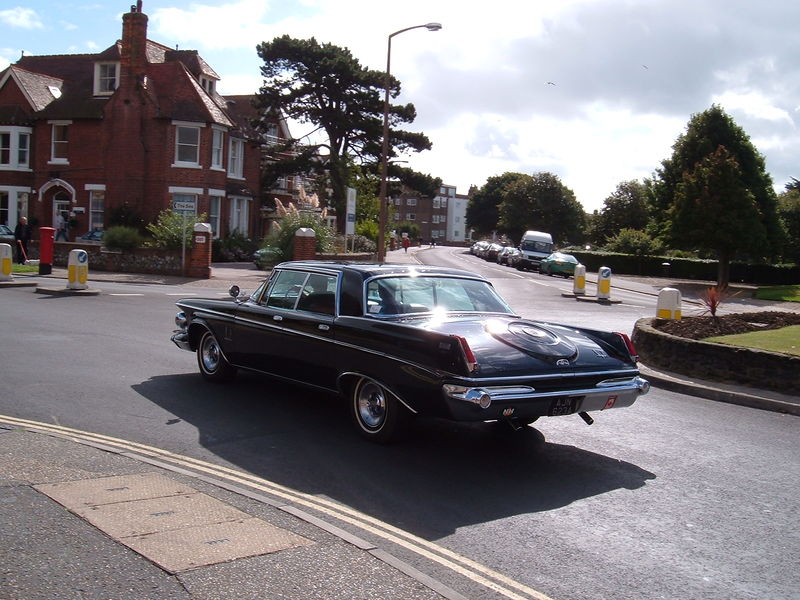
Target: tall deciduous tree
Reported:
point(543, 203)
point(324, 86)
point(705, 133)
point(482, 215)
point(789, 212)
point(626, 208)
point(715, 210)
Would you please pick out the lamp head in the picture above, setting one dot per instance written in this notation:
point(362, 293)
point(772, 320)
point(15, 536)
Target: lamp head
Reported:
point(433, 26)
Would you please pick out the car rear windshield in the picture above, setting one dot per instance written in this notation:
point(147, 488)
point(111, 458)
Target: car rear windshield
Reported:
point(404, 295)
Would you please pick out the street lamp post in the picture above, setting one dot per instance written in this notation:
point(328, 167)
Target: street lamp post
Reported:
point(383, 212)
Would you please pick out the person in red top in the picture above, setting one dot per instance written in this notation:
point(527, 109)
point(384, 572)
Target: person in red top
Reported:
point(406, 243)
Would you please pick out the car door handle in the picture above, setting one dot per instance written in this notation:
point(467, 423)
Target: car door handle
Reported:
point(324, 327)
point(277, 318)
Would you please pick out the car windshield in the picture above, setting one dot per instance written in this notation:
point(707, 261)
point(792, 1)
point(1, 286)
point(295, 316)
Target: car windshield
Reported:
point(395, 295)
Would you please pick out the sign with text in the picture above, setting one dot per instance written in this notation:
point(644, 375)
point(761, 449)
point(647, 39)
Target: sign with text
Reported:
point(184, 206)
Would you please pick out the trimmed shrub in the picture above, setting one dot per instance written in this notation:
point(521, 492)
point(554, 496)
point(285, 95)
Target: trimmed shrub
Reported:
point(122, 238)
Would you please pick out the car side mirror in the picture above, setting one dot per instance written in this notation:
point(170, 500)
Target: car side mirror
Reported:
point(234, 291)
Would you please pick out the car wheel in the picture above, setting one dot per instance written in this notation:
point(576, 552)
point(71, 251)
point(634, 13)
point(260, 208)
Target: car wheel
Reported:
point(376, 413)
point(213, 365)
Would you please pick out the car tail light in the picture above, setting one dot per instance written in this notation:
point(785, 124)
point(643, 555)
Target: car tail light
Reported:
point(629, 346)
point(469, 356)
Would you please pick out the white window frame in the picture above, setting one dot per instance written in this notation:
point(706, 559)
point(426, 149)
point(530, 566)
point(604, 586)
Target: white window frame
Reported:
point(217, 148)
point(186, 126)
point(55, 144)
point(215, 198)
point(236, 158)
point(101, 80)
point(411, 202)
point(239, 214)
point(97, 205)
point(411, 217)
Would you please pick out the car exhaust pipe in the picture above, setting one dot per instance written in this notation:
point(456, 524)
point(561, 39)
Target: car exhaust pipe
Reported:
point(587, 419)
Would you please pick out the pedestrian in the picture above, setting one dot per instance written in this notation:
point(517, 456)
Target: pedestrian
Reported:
point(22, 235)
point(406, 244)
point(61, 225)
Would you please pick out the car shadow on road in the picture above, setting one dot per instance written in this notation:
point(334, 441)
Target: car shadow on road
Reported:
point(442, 477)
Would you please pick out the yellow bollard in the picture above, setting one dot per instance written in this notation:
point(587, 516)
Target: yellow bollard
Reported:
point(604, 283)
point(579, 280)
point(77, 269)
point(5, 262)
point(669, 304)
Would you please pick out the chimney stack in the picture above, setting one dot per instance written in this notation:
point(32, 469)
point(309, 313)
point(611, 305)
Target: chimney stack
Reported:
point(134, 42)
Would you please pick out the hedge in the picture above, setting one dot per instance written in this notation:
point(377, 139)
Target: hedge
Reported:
point(688, 268)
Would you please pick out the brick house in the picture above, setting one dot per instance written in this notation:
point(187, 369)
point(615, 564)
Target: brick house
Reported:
point(138, 126)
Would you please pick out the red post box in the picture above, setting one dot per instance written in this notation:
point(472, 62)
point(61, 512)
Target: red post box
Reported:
point(46, 242)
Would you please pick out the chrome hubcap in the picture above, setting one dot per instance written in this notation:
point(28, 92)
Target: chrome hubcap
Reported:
point(371, 405)
point(210, 354)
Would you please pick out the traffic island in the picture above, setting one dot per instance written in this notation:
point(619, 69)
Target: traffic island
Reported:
point(64, 291)
point(16, 283)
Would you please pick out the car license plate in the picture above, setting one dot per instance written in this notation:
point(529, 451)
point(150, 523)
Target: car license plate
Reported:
point(563, 406)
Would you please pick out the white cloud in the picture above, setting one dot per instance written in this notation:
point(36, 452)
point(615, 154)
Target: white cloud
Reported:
point(18, 16)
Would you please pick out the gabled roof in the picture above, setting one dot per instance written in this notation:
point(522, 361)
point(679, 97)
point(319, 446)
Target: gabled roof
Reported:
point(40, 90)
point(73, 75)
point(180, 96)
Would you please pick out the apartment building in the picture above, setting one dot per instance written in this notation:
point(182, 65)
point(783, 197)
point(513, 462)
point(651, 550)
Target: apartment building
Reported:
point(440, 219)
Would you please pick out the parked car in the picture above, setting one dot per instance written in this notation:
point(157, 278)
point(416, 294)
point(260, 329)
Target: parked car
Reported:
point(93, 236)
point(479, 248)
point(7, 236)
point(558, 263)
point(266, 257)
point(504, 255)
point(491, 251)
point(408, 340)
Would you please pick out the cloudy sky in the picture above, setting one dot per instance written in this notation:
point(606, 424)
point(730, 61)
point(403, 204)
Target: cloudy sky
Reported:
point(595, 91)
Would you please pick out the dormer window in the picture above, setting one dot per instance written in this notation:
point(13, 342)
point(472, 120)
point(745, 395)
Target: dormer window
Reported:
point(208, 85)
point(106, 78)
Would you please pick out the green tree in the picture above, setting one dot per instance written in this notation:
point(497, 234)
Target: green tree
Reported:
point(714, 209)
point(634, 241)
point(325, 86)
point(626, 208)
point(789, 212)
point(705, 133)
point(543, 203)
point(482, 214)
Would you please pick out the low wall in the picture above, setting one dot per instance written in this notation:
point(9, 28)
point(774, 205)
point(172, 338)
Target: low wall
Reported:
point(717, 362)
point(142, 260)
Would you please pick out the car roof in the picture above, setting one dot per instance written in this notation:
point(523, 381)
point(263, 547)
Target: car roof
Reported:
point(369, 270)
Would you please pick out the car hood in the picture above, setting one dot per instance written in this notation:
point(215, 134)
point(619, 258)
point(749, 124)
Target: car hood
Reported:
point(511, 346)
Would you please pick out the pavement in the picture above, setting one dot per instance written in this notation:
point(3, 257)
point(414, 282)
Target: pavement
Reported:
point(84, 516)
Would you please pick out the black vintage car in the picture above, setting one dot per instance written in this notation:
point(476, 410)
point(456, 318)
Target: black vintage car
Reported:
point(402, 340)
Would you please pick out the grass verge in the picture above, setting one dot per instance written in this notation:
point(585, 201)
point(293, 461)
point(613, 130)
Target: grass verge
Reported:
point(784, 293)
point(17, 268)
point(785, 340)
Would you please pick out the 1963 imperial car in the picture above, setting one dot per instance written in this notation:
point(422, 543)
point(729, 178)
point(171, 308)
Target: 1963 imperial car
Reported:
point(401, 340)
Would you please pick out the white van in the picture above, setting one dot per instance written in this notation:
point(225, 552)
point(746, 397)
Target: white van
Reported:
point(535, 245)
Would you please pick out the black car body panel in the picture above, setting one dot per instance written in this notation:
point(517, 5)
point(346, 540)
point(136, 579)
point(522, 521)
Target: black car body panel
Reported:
point(324, 325)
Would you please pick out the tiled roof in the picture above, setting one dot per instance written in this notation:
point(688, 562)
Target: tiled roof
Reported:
point(40, 89)
point(75, 76)
point(180, 97)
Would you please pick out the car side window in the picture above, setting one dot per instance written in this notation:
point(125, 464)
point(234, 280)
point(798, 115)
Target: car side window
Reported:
point(318, 294)
point(285, 289)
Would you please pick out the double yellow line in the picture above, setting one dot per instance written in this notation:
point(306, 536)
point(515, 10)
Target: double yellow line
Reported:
point(465, 567)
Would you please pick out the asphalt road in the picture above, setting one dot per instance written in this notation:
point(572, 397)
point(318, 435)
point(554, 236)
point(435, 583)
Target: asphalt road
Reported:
point(675, 497)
